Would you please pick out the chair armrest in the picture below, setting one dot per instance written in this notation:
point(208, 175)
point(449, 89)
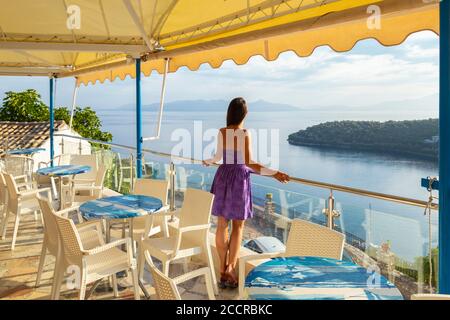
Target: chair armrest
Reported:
point(87, 187)
point(46, 164)
point(243, 260)
point(117, 243)
point(22, 176)
point(27, 185)
point(95, 225)
point(206, 272)
point(190, 275)
point(165, 211)
point(82, 180)
point(194, 228)
point(67, 210)
point(181, 231)
point(29, 193)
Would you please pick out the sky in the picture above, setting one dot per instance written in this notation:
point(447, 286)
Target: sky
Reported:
point(368, 75)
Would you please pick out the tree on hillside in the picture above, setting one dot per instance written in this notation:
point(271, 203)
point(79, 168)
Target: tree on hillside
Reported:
point(28, 106)
point(85, 122)
point(23, 106)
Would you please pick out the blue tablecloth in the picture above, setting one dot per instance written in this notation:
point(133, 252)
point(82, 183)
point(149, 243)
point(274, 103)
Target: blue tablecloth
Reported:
point(314, 278)
point(65, 170)
point(27, 151)
point(120, 207)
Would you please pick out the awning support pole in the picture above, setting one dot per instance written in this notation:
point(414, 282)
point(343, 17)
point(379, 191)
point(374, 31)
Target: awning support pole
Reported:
point(444, 149)
point(52, 120)
point(161, 103)
point(74, 101)
point(138, 120)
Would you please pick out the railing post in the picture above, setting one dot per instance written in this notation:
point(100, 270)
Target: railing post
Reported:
point(172, 189)
point(444, 149)
point(62, 145)
point(330, 211)
point(138, 120)
point(52, 120)
point(131, 172)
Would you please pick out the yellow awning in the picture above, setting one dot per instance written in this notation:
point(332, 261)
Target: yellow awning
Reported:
point(42, 37)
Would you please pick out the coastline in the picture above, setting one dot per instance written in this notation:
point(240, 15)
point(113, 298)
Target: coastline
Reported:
point(369, 149)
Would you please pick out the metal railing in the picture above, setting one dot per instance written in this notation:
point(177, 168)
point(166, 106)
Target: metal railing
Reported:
point(330, 210)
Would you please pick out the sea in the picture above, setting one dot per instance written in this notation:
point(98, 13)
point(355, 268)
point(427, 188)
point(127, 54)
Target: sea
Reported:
point(370, 221)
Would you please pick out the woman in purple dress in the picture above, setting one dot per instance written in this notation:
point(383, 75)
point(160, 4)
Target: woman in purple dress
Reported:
point(232, 190)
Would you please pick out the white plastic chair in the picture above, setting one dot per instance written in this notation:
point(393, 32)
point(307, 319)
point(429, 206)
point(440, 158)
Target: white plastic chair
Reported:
point(19, 165)
point(166, 288)
point(86, 179)
point(4, 197)
point(92, 191)
point(85, 160)
point(19, 203)
point(306, 239)
point(191, 237)
point(93, 264)
point(148, 226)
point(51, 244)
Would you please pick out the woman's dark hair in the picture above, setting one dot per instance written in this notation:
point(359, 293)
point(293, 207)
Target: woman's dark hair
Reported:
point(237, 110)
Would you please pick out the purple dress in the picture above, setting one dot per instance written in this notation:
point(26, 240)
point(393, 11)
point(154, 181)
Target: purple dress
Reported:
point(231, 188)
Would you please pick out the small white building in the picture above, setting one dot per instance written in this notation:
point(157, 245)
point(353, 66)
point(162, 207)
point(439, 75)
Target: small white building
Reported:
point(21, 135)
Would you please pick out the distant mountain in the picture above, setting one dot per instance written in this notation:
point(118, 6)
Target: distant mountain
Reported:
point(212, 105)
point(426, 107)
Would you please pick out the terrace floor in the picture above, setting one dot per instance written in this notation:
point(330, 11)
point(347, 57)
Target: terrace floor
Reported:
point(18, 271)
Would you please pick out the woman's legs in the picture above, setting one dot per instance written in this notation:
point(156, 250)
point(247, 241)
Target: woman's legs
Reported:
point(222, 242)
point(235, 245)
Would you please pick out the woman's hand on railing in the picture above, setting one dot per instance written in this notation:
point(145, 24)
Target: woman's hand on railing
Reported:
point(282, 177)
point(206, 163)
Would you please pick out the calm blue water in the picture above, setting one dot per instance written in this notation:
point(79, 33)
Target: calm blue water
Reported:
point(374, 221)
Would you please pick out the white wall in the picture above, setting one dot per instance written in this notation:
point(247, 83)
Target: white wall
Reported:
point(71, 146)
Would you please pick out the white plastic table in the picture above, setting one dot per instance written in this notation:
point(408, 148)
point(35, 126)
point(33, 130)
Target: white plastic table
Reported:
point(121, 207)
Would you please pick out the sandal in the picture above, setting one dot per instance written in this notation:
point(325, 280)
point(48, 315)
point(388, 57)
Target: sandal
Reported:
point(223, 281)
point(231, 281)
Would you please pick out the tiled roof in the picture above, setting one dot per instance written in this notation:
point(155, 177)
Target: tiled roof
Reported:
point(20, 135)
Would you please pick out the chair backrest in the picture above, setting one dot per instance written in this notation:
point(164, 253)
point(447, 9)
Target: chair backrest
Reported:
point(165, 288)
point(85, 160)
point(50, 227)
point(18, 164)
point(153, 188)
point(180, 176)
point(310, 239)
point(196, 209)
point(13, 193)
point(70, 239)
point(3, 191)
point(100, 179)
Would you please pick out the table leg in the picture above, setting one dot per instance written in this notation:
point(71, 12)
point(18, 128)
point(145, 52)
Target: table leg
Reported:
point(141, 284)
point(61, 204)
point(53, 184)
point(94, 286)
point(108, 231)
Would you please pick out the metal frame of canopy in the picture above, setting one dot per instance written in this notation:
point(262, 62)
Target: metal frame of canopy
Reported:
point(135, 50)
